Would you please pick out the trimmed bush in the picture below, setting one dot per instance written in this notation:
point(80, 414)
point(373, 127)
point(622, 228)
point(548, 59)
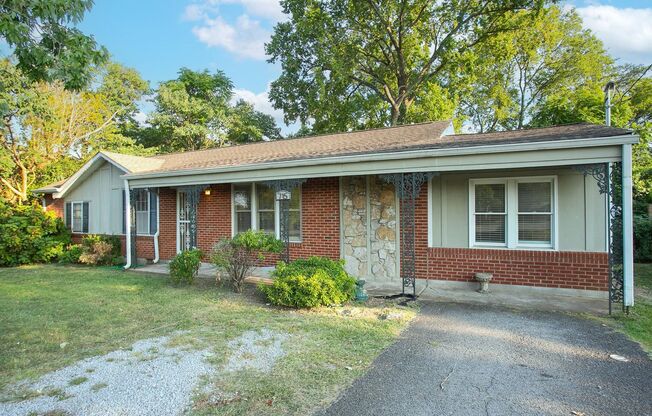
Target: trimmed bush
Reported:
point(71, 254)
point(30, 235)
point(185, 266)
point(642, 238)
point(307, 283)
point(237, 256)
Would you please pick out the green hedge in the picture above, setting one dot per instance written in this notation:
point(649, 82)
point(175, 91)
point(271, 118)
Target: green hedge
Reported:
point(28, 234)
point(307, 283)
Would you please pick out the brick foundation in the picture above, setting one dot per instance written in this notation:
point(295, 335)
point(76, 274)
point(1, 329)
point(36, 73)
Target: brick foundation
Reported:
point(570, 270)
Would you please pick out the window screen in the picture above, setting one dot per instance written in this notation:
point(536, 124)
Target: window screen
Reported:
point(266, 203)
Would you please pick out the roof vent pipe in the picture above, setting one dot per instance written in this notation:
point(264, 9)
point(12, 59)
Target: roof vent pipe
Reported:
point(608, 90)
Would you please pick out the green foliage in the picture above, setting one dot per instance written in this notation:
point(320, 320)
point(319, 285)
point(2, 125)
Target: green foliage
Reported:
point(71, 254)
point(185, 266)
point(237, 256)
point(513, 72)
point(248, 125)
point(642, 238)
point(30, 235)
point(348, 64)
point(46, 42)
point(47, 132)
point(100, 250)
point(307, 283)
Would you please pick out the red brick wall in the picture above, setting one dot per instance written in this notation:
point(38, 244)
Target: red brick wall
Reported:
point(167, 225)
point(55, 205)
point(320, 220)
point(556, 269)
point(144, 245)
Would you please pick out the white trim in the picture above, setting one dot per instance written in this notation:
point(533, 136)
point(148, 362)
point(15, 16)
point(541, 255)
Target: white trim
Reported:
point(127, 225)
point(430, 220)
point(405, 154)
point(511, 213)
point(65, 187)
point(254, 212)
point(158, 226)
point(628, 230)
point(72, 218)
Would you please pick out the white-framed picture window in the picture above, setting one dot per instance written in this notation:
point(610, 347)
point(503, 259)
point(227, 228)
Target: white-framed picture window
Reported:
point(255, 207)
point(513, 212)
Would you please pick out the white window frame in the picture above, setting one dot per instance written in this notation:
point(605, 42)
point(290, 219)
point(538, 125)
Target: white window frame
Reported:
point(511, 209)
point(147, 201)
point(254, 212)
point(72, 217)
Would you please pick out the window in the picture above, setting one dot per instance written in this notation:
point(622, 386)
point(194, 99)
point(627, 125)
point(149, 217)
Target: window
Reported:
point(255, 207)
point(145, 208)
point(512, 212)
point(490, 214)
point(141, 205)
point(535, 212)
point(243, 209)
point(76, 216)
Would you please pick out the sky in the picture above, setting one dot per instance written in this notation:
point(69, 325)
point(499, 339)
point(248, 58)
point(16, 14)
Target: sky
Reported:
point(158, 37)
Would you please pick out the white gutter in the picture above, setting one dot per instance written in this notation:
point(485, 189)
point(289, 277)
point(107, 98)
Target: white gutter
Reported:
point(158, 228)
point(628, 230)
point(406, 154)
point(127, 226)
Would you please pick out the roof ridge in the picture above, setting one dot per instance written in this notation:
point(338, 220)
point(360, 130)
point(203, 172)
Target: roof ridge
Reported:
point(579, 123)
point(301, 138)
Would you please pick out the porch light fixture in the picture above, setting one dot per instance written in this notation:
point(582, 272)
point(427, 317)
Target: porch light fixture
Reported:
point(207, 191)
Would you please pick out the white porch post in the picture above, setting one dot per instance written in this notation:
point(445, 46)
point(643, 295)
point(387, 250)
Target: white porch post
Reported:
point(127, 225)
point(628, 229)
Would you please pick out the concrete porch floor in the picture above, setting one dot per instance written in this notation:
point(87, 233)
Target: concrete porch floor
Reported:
point(519, 297)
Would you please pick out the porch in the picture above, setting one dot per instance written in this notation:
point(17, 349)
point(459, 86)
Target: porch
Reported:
point(518, 297)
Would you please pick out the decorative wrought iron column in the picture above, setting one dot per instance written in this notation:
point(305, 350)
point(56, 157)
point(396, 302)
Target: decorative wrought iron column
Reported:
point(193, 194)
point(283, 193)
point(408, 186)
point(608, 178)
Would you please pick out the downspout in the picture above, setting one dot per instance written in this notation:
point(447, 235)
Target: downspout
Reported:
point(127, 226)
point(628, 228)
point(158, 226)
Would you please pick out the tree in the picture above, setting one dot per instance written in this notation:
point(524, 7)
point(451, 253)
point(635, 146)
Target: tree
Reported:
point(248, 125)
point(348, 63)
point(191, 112)
point(631, 108)
point(48, 131)
point(45, 42)
point(515, 71)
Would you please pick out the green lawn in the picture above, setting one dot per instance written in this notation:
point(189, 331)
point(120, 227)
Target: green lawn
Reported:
point(52, 316)
point(638, 324)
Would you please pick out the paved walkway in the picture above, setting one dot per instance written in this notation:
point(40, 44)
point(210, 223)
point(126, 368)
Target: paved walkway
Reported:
point(481, 360)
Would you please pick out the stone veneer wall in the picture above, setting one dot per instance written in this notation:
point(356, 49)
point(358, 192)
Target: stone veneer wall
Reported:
point(369, 227)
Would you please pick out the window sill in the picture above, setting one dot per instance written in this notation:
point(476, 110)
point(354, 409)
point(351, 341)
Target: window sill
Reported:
point(522, 248)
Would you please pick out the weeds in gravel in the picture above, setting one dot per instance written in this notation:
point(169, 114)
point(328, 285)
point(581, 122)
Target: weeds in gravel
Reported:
point(95, 311)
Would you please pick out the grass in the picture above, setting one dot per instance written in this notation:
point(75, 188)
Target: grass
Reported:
point(638, 324)
point(52, 316)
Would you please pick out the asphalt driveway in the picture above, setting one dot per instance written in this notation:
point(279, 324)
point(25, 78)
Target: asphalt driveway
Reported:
point(480, 360)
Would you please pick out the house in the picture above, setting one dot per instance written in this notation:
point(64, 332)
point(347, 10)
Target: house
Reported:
point(533, 207)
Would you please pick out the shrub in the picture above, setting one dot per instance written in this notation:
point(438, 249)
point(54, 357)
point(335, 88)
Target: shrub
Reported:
point(185, 266)
point(71, 254)
point(307, 283)
point(237, 256)
point(642, 238)
point(95, 250)
point(30, 235)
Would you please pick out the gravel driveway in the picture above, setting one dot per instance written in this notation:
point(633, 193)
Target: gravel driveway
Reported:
point(481, 360)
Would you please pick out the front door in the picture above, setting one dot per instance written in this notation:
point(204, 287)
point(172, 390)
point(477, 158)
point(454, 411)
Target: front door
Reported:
point(183, 222)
